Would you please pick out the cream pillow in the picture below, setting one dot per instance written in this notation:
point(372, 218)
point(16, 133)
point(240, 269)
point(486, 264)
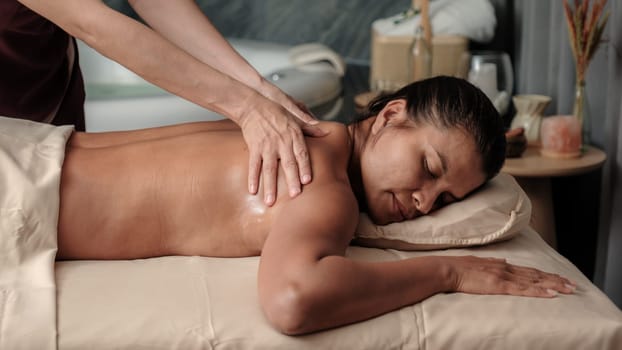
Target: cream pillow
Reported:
point(496, 212)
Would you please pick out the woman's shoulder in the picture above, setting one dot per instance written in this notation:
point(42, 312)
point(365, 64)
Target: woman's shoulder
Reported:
point(333, 126)
point(330, 153)
point(335, 142)
point(337, 135)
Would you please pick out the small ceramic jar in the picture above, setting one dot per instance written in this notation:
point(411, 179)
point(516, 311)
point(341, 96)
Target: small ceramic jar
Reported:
point(528, 116)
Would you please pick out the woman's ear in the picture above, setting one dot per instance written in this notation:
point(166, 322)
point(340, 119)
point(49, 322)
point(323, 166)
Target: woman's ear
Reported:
point(394, 113)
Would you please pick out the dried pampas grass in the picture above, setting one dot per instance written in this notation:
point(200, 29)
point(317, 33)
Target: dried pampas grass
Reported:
point(585, 26)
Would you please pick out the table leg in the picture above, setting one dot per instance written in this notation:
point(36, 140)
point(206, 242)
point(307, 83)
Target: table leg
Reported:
point(538, 189)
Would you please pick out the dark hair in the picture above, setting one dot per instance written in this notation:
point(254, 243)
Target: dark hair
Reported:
point(448, 102)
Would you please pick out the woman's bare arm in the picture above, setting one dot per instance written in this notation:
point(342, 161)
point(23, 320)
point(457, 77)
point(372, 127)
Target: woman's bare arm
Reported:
point(306, 284)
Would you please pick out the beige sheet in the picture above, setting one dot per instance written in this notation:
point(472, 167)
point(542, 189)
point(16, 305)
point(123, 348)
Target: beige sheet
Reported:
point(31, 156)
point(210, 303)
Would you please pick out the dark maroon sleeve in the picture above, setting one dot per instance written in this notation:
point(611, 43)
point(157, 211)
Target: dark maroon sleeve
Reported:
point(35, 78)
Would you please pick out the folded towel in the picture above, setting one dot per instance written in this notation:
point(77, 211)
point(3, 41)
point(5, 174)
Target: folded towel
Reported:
point(474, 19)
point(31, 158)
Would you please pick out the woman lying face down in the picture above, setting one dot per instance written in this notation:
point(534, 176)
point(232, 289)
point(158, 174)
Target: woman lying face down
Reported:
point(181, 190)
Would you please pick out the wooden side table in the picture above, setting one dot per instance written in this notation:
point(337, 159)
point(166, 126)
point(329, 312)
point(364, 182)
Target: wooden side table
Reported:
point(534, 172)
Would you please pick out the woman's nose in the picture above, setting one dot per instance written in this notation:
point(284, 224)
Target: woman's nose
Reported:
point(424, 200)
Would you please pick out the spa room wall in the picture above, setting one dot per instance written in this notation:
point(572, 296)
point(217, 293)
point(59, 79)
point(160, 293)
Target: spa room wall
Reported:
point(534, 34)
point(343, 25)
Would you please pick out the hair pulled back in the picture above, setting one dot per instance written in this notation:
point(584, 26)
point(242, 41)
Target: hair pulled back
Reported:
point(448, 102)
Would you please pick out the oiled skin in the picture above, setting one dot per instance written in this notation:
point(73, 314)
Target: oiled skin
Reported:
point(174, 192)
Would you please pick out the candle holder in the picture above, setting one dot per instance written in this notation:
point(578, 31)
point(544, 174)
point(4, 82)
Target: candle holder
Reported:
point(561, 137)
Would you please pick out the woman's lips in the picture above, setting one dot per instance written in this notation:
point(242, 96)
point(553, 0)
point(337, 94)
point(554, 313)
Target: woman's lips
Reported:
point(402, 212)
point(399, 209)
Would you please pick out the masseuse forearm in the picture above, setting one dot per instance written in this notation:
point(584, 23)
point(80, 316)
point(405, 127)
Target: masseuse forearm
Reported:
point(173, 18)
point(145, 52)
point(162, 63)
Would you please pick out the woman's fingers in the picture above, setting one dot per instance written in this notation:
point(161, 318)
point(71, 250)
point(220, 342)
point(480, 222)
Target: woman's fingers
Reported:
point(496, 276)
point(542, 279)
point(528, 290)
point(533, 282)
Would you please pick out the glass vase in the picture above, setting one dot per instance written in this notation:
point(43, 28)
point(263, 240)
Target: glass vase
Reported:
point(581, 111)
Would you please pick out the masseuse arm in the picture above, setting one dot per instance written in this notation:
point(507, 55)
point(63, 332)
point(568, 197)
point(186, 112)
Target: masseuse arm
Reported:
point(183, 23)
point(270, 129)
point(306, 284)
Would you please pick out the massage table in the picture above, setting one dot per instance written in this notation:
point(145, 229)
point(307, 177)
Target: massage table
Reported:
point(212, 303)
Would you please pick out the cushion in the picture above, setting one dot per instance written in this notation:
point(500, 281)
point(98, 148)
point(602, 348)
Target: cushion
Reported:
point(495, 212)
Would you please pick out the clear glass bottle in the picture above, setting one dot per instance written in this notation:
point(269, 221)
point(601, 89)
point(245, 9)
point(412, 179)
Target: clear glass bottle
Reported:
point(581, 111)
point(420, 57)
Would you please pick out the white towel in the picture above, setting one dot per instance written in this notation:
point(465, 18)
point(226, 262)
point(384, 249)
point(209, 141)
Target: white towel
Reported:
point(474, 19)
point(31, 157)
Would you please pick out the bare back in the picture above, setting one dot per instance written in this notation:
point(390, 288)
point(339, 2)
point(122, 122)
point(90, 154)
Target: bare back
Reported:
point(171, 192)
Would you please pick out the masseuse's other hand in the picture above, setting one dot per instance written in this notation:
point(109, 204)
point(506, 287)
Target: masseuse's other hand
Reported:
point(496, 276)
point(275, 132)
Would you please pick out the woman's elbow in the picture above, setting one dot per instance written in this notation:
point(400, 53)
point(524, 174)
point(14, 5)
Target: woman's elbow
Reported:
point(288, 308)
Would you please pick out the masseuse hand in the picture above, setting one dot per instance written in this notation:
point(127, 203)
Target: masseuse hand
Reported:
point(274, 131)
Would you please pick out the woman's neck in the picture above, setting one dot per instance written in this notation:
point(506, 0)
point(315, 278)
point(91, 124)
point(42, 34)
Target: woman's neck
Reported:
point(358, 134)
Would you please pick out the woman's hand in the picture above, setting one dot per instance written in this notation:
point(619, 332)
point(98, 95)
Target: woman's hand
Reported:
point(275, 132)
point(476, 275)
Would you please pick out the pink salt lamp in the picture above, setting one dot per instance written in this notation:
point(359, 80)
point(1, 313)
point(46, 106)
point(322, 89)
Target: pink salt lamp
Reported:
point(560, 136)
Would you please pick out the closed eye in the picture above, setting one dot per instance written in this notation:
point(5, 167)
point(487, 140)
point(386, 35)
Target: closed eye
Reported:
point(426, 167)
